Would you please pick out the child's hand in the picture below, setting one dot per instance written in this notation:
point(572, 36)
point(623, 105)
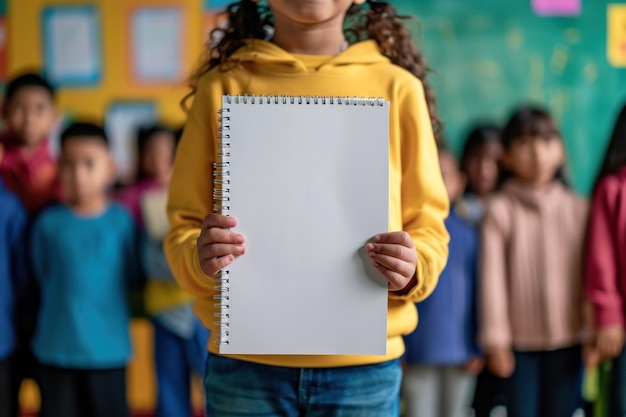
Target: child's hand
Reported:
point(591, 356)
point(395, 257)
point(217, 247)
point(610, 340)
point(501, 362)
point(474, 366)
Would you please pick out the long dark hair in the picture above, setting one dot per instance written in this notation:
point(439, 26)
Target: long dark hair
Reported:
point(530, 120)
point(377, 20)
point(615, 156)
point(478, 136)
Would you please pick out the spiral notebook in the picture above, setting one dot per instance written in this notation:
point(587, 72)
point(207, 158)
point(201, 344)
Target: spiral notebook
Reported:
point(307, 178)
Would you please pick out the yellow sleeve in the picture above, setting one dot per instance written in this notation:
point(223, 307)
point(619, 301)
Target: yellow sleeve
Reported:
point(191, 191)
point(425, 203)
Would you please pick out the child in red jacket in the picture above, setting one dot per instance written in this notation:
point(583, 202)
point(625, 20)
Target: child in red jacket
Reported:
point(606, 264)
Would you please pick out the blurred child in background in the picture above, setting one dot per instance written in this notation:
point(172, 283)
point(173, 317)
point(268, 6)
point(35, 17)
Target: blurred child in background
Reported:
point(83, 254)
point(13, 277)
point(606, 264)
point(531, 300)
point(28, 169)
point(26, 165)
point(441, 355)
point(179, 338)
point(479, 163)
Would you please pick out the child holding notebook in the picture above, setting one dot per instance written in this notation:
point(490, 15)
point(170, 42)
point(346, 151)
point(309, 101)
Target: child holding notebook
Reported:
point(307, 53)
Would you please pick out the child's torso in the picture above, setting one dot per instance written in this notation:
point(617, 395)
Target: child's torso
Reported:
point(544, 244)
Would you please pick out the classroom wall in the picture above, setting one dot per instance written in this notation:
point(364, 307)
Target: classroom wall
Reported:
point(25, 52)
point(491, 55)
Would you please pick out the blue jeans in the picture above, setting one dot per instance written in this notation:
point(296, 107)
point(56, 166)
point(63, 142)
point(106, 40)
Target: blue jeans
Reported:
point(545, 384)
point(617, 387)
point(175, 359)
point(238, 388)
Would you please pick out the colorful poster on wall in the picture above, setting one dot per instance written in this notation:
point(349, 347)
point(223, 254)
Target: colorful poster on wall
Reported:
point(616, 34)
point(122, 121)
point(158, 48)
point(72, 44)
point(557, 7)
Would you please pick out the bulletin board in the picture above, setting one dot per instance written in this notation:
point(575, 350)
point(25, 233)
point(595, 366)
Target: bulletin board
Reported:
point(493, 55)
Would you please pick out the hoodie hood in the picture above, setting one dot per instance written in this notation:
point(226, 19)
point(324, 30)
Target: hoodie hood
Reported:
point(259, 52)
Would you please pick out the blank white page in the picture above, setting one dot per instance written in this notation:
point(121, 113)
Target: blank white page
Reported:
point(309, 187)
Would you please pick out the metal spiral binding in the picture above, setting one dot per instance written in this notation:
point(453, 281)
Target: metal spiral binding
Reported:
point(323, 100)
point(221, 205)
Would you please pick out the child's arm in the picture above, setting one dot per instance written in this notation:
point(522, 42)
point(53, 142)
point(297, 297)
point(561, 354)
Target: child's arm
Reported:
point(37, 249)
point(154, 262)
point(473, 294)
point(601, 275)
point(191, 199)
point(424, 201)
point(494, 325)
point(134, 265)
point(18, 239)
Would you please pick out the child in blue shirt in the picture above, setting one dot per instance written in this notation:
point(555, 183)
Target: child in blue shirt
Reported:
point(84, 254)
point(441, 355)
point(13, 221)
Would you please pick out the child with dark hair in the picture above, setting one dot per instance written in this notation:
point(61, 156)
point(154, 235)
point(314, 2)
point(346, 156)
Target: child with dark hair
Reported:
point(84, 257)
point(28, 170)
point(530, 292)
point(606, 264)
point(480, 164)
point(322, 48)
point(179, 337)
point(26, 165)
point(441, 355)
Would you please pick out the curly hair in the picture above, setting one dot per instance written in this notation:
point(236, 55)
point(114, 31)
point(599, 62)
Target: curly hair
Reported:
point(377, 20)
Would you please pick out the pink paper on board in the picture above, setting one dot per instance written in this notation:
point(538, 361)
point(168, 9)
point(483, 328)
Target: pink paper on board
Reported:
point(557, 7)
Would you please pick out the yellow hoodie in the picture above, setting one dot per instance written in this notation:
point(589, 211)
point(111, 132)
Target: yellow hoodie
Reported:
point(418, 202)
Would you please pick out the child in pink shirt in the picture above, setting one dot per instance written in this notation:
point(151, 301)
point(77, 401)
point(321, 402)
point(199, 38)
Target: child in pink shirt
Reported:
point(531, 291)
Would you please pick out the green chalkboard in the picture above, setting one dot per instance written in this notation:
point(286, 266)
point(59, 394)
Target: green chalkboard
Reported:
point(492, 55)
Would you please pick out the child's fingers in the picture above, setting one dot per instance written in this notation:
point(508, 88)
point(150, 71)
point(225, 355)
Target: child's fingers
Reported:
point(212, 266)
point(393, 250)
point(220, 249)
point(396, 281)
point(398, 238)
point(218, 220)
point(217, 235)
point(399, 266)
